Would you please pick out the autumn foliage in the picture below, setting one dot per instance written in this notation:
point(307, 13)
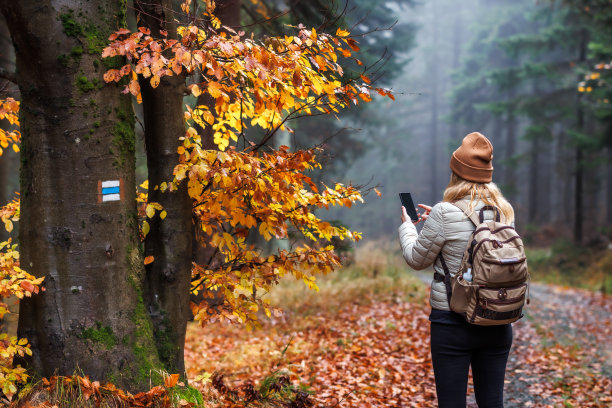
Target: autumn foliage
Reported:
point(238, 192)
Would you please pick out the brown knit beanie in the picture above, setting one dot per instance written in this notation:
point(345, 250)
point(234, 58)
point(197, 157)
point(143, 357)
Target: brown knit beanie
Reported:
point(472, 160)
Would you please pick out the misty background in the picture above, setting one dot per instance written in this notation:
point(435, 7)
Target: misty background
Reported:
point(510, 70)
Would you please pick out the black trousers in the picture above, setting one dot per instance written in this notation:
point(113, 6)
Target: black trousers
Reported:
point(454, 347)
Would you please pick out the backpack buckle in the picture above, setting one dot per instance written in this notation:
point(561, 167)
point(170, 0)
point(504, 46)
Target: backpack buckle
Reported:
point(502, 294)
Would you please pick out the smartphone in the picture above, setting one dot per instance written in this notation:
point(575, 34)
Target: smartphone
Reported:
point(407, 202)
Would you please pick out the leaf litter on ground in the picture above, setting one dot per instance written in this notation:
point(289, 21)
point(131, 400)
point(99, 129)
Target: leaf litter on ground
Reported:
point(371, 349)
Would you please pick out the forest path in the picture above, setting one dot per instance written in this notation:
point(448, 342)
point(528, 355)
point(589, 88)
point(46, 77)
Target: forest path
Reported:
point(562, 349)
point(373, 350)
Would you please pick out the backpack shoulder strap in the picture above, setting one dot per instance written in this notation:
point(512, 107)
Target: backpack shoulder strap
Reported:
point(463, 206)
point(478, 217)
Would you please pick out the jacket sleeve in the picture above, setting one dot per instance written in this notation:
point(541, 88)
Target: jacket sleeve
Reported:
point(421, 250)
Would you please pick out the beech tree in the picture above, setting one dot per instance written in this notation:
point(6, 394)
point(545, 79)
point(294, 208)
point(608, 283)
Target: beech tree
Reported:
point(81, 229)
point(77, 139)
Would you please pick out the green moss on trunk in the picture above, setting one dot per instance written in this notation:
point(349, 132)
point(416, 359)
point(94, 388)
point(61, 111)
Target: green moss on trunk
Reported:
point(147, 365)
point(101, 334)
point(124, 138)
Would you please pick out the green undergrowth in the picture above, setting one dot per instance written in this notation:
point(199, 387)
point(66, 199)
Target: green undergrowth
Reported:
point(566, 264)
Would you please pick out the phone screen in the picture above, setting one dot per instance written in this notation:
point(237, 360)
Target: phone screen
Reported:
point(407, 202)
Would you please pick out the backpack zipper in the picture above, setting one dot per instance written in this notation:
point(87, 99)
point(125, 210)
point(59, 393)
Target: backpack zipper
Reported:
point(519, 260)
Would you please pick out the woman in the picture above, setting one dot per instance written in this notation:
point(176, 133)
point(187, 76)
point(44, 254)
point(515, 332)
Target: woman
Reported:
point(456, 344)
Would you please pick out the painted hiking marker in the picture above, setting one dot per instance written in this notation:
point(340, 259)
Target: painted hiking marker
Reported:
point(110, 190)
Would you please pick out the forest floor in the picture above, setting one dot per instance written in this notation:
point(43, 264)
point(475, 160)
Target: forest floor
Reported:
point(363, 341)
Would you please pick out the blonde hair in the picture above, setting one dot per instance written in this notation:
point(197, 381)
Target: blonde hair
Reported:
point(488, 193)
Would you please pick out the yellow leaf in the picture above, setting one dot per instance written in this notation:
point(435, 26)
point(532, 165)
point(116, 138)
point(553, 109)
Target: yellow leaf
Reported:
point(214, 89)
point(149, 259)
point(16, 148)
point(150, 211)
point(145, 228)
point(342, 33)
point(163, 214)
point(155, 81)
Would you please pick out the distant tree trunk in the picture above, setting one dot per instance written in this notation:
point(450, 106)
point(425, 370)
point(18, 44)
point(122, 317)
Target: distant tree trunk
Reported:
point(497, 139)
point(564, 168)
point(168, 278)
point(457, 26)
point(534, 185)
point(579, 175)
point(76, 134)
point(433, 126)
point(510, 149)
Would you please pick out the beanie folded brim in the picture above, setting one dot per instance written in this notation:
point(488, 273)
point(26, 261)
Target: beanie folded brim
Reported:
point(471, 173)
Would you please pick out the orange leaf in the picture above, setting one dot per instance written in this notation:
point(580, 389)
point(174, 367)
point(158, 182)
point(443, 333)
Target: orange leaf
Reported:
point(27, 286)
point(149, 259)
point(171, 380)
point(134, 87)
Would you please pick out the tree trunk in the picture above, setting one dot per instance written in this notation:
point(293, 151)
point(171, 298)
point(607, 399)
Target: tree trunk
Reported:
point(169, 241)
point(510, 150)
point(433, 126)
point(579, 174)
point(534, 185)
point(76, 134)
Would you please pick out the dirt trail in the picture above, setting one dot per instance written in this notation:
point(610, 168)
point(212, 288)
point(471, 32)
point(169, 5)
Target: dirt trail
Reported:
point(561, 350)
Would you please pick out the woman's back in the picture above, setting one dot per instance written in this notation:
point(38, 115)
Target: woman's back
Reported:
point(446, 230)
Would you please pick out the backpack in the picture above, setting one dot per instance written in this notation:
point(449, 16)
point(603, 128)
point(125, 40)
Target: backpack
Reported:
point(495, 256)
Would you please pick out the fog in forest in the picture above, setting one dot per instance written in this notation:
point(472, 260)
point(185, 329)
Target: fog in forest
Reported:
point(510, 70)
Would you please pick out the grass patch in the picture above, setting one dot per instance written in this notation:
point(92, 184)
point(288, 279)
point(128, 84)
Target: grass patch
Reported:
point(379, 273)
point(568, 265)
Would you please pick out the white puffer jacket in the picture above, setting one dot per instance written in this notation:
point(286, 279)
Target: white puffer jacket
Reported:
point(447, 230)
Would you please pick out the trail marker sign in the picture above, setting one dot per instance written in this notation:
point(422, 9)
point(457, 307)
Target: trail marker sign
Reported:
point(110, 190)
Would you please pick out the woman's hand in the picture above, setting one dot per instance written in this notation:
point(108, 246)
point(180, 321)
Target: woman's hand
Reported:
point(422, 216)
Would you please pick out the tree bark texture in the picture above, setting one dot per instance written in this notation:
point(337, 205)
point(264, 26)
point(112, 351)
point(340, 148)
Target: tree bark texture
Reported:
point(168, 278)
point(76, 133)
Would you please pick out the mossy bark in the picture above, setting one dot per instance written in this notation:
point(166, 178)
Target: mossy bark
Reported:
point(168, 278)
point(91, 316)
